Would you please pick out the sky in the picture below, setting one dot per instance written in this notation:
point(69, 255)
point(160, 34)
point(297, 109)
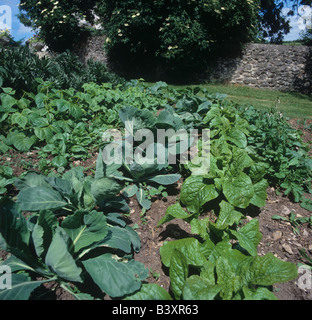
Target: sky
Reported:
point(295, 29)
point(20, 32)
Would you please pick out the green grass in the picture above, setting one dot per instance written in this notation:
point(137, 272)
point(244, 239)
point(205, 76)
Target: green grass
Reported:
point(293, 105)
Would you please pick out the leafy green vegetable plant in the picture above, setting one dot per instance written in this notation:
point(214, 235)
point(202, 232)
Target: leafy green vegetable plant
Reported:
point(6, 179)
point(294, 221)
point(73, 191)
point(221, 263)
point(282, 148)
point(234, 177)
point(145, 180)
point(86, 248)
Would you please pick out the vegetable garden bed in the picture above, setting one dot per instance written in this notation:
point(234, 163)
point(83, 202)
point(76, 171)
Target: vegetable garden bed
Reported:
point(195, 237)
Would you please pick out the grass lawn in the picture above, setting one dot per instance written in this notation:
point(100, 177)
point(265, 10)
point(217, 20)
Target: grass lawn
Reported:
point(293, 105)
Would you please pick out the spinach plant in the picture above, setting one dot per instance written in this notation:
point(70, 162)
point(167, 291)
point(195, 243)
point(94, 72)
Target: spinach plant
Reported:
point(220, 262)
point(221, 271)
point(234, 179)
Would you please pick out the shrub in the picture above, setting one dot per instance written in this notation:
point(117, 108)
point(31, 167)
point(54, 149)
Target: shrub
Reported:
point(20, 68)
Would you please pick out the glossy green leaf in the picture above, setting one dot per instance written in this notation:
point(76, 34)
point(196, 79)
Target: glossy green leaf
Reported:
point(249, 236)
point(175, 211)
point(150, 291)
point(268, 270)
point(189, 247)
point(260, 193)
point(238, 190)
point(178, 273)
point(227, 216)
point(40, 198)
point(197, 288)
point(59, 259)
point(115, 277)
point(195, 193)
point(237, 137)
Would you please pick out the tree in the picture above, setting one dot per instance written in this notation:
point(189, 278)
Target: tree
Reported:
point(179, 35)
point(58, 21)
point(273, 23)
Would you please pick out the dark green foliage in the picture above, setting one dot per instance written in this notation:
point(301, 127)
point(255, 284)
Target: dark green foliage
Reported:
point(307, 38)
point(177, 35)
point(19, 68)
point(41, 246)
point(273, 24)
point(58, 21)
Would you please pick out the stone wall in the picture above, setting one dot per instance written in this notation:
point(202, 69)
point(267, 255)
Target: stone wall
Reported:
point(279, 67)
point(276, 67)
point(91, 48)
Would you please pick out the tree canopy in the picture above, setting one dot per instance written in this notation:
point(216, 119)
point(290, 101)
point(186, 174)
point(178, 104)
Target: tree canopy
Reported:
point(177, 34)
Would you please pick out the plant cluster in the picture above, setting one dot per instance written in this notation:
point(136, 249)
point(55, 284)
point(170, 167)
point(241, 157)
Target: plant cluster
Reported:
point(81, 249)
point(65, 123)
point(281, 147)
point(75, 233)
point(19, 69)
